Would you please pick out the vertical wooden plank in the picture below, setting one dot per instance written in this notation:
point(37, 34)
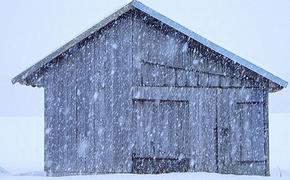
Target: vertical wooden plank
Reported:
point(228, 131)
point(47, 126)
point(116, 57)
point(181, 78)
point(98, 103)
point(172, 125)
point(147, 119)
point(192, 79)
point(128, 77)
point(182, 50)
point(186, 129)
point(169, 76)
point(59, 110)
point(149, 113)
point(206, 137)
point(186, 132)
point(213, 80)
point(159, 75)
point(70, 113)
point(140, 50)
point(67, 114)
point(223, 140)
point(166, 128)
point(152, 74)
point(212, 65)
point(120, 82)
point(82, 143)
point(185, 52)
point(236, 82)
point(164, 117)
point(169, 49)
point(135, 128)
point(85, 92)
point(155, 40)
point(177, 129)
point(140, 128)
point(108, 81)
point(157, 130)
point(51, 120)
point(123, 81)
point(153, 123)
point(90, 110)
point(225, 81)
point(201, 149)
point(181, 119)
point(193, 96)
point(56, 119)
point(113, 50)
point(211, 102)
point(252, 137)
point(63, 115)
point(147, 76)
point(194, 61)
point(266, 132)
point(62, 94)
point(203, 79)
point(246, 128)
point(100, 124)
point(234, 130)
point(93, 91)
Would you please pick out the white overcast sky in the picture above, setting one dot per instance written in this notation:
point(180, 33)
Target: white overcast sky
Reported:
point(256, 30)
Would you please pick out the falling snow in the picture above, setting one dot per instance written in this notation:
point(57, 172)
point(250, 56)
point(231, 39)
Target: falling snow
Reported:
point(114, 46)
point(83, 148)
point(153, 102)
point(96, 95)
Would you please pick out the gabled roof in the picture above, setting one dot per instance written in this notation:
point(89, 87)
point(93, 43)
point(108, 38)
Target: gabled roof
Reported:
point(138, 5)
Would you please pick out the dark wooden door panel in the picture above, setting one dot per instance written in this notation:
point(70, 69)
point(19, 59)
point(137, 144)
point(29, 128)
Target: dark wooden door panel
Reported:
point(161, 136)
point(153, 165)
point(241, 139)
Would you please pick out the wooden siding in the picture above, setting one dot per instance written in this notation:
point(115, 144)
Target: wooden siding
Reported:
point(241, 132)
point(164, 57)
point(161, 129)
point(86, 107)
point(139, 88)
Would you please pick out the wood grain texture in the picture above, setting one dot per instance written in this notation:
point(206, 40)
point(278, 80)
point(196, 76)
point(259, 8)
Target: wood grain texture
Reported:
point(138, 87)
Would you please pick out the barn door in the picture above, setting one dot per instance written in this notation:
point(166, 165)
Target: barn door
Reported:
point(241, 132)
point(160, 136)
point(204, 130)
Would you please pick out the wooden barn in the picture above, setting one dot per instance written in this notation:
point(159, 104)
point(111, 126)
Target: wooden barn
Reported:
point(139, 93)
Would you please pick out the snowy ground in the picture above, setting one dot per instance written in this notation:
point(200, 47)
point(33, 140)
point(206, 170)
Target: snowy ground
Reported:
point(171, 176)
point(21, 153)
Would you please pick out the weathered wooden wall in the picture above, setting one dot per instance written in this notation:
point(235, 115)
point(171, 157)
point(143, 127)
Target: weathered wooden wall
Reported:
point(242, 132)
point(87, 105)
point(139, 88)
point(214, 88)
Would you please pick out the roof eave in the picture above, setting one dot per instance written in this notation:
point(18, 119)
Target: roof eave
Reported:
point(273, 87)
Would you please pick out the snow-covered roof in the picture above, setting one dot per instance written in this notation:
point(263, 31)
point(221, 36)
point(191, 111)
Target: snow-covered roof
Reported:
point(138, 5)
